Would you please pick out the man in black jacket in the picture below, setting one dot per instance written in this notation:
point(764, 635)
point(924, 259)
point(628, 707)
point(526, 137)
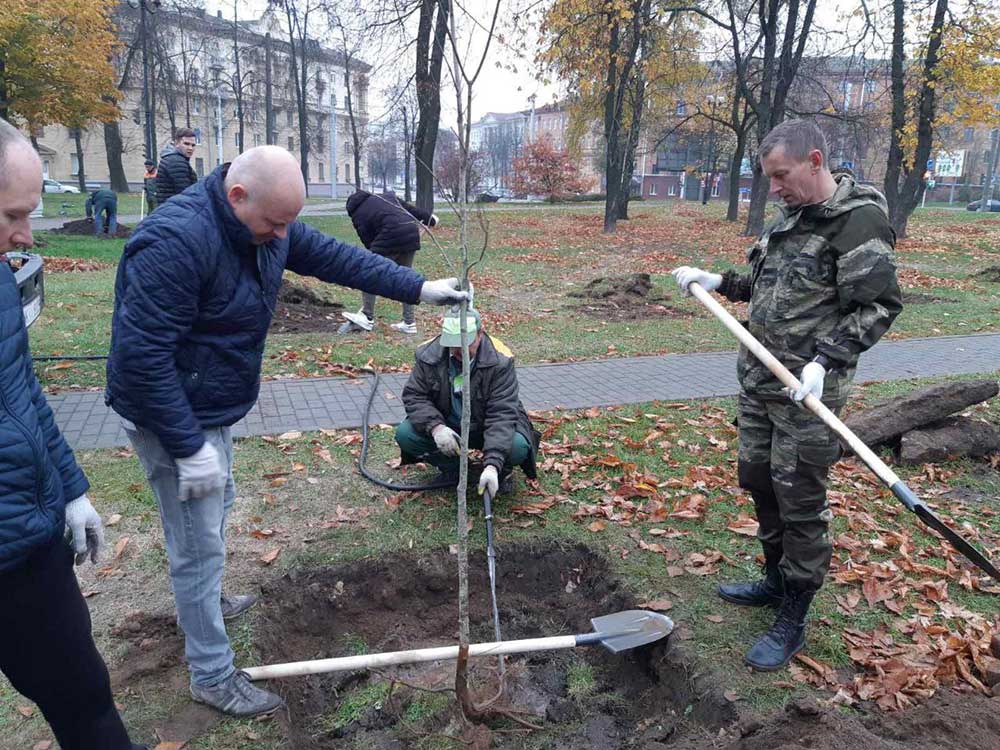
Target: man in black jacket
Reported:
point(499, 425)
point(174, 175)
point(389, 227)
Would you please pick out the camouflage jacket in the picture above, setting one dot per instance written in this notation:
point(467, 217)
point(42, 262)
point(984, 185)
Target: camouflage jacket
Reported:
point(822, 285)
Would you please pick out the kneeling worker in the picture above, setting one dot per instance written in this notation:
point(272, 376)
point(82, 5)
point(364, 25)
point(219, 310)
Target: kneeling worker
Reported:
point(499, 425)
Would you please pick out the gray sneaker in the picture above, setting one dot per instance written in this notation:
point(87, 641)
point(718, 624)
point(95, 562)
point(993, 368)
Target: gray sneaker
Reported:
point(237, 696)
point(234, 606)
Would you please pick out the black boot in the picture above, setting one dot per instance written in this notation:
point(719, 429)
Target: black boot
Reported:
point(787, 636)
point(767, 592)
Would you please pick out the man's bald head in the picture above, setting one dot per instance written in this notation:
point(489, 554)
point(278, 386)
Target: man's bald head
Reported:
point(265, 189)
point(20, 187)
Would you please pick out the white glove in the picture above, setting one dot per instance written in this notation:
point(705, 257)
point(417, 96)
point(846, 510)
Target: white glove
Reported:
point(811, 381)
point(201, 474)
point(447, 440)
point(434, 221)
point(685, 275)
point(488, 480)
point(85, 525)
point(442, 292)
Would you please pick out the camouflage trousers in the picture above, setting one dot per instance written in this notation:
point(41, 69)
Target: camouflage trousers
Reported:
point(785, 454)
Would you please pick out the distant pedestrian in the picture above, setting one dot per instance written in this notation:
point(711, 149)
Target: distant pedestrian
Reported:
point(149, 185)
point(174, 175)
point(390, 227)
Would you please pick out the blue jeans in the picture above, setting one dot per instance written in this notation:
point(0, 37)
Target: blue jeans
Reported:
point(112, 212)
point(195, 533)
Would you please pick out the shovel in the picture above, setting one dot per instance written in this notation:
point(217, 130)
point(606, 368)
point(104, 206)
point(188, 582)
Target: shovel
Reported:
point(903, 493)
point(617, 632)
point(491, 561)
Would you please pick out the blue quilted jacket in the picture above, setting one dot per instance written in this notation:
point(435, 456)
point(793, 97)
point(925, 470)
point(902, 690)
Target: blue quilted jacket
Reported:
point(193, 301)
point(38, 473)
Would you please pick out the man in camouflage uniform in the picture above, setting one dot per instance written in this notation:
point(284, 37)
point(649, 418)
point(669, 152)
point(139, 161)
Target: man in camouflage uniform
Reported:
point(822, 289)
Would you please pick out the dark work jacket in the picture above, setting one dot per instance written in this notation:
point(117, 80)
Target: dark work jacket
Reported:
point(193, 301)
point(386, 224)
point(497, 411)
point(38, 473)
point(174, 174)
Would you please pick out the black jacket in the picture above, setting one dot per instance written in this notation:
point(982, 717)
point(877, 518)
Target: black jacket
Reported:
point(497, 411)
point(174, 174)
point(386, 224)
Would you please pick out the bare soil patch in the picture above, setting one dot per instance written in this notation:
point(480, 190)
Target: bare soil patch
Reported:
point(301, 309)
point(627, 297)
point(85, 228)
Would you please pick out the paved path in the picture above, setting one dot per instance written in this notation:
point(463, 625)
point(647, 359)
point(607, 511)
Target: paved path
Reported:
point(314, 403)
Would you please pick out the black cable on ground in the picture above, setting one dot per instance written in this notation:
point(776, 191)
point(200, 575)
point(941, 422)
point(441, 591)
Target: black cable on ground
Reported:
point(79, 357)
point(436, 484)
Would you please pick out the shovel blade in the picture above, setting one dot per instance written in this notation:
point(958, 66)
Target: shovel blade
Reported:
point(632, 628)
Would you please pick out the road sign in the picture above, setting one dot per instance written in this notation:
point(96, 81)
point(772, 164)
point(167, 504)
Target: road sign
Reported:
point(930, 164)
point(950, 163)
point(847, 164)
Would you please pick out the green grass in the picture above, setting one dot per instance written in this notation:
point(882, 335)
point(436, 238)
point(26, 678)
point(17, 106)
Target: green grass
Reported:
point(580, 680)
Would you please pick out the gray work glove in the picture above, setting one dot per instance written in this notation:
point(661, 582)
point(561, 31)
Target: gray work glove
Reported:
point(85, 525)
point(686, 275)
point(489, 480)
point(442, 292)
point(447, 440)
point(201, 474)
point(811, 381)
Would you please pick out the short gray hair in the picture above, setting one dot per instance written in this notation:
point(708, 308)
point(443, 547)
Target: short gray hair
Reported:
point(798, 137)
point(9, 137)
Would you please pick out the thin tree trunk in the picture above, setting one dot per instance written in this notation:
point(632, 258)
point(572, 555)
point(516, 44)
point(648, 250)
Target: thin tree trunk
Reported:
point(113, 148)
point(81, 175)
point(735, 165)
point(430, 54)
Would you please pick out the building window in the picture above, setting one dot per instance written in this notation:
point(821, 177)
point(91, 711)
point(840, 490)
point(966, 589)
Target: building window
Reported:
point(236, 139)
point(256, 139)
point(681, 109)
point(870, 85)
point(291, 143)
point(715, 188)
point(197, 136)
point(968, 135)
point(319, 142)
point(288, 118)
point(671, 189)
point(320, 167)
point(196, 105)
point(652, 188)
point(347, 172)
point(74, 165)
point(199, 166)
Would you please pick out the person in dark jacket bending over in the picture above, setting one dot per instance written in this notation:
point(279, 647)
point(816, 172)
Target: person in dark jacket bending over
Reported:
point(194, 296)
point(499, 425)
point(822, 289)
point(390, 227)
point(174, 174)
point(46, 648)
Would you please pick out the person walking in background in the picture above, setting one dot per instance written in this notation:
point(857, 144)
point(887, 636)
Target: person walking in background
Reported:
point(389, 227)
point(174, 174)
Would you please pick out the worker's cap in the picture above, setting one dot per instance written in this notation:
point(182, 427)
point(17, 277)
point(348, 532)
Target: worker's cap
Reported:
point(451, 331)
point(149, 163)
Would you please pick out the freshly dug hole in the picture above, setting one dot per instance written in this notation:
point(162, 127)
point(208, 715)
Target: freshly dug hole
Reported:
point(584, 697)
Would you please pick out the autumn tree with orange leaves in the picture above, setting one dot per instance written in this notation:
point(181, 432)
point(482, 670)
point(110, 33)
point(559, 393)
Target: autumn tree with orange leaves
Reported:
point(546, 170)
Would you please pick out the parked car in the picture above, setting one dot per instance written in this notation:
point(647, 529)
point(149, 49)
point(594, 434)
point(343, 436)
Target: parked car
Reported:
point(53, 186)
point(27, 269)
point(991, 205)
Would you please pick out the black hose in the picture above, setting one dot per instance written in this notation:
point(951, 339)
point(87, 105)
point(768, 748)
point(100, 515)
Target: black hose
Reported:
point(436, 484)
point(47, 358)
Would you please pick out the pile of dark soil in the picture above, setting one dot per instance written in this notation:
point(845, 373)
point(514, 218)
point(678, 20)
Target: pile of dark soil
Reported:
point(628, 297)
point(658, 697)
point(83, 227)
point(301, 309)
